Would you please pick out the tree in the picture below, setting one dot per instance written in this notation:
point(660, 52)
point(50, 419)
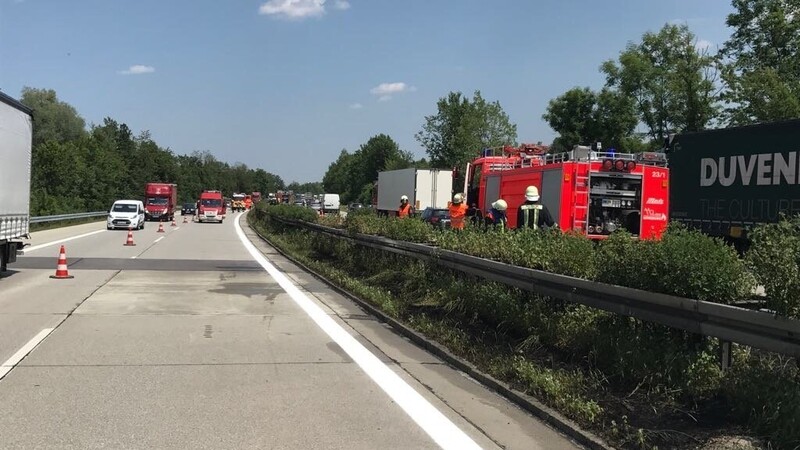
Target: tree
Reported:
point(671, 81)
point(581, 117)
point(338, 176)
point(53, 120)
point(314, 187)
point(352, 175)
point(462, 127)
point(762, 61)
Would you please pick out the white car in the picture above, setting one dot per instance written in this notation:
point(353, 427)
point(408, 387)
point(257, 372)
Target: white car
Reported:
point(126, 214)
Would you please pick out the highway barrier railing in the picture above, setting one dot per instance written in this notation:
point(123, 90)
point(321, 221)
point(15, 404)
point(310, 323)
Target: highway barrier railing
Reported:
point(63, 217)
point(730, 324)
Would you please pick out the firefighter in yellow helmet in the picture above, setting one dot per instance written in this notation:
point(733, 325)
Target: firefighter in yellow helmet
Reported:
point(533, 214)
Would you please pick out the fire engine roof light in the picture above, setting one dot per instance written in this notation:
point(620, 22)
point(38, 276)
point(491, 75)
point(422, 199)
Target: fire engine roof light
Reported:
point(608, 164)
point(620, 164)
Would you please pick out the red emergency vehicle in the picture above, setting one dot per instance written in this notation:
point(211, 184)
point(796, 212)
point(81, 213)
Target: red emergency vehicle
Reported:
point(212, 207)
point(589, 191)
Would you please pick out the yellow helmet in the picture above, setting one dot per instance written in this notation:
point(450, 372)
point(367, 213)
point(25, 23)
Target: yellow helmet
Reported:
point(500, 205)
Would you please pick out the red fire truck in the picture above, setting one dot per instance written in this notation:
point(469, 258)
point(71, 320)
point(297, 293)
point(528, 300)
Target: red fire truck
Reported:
point(589, 191)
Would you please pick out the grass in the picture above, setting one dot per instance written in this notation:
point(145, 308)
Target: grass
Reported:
point(637, 384)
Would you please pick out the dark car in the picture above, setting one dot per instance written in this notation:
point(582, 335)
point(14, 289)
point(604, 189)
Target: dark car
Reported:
point(438, 217)
point(188, 209)
point(355, 206)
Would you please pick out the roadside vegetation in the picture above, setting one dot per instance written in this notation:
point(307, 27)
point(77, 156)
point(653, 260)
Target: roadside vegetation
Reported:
point(640, 385)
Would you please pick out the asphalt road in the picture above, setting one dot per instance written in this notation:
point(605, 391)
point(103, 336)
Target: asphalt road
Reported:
point(204, 337)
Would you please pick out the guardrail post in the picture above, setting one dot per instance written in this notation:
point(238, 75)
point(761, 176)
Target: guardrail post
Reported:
point(724, 355)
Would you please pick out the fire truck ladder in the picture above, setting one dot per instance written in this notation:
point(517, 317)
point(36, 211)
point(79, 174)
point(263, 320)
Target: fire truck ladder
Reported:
point(581, 197)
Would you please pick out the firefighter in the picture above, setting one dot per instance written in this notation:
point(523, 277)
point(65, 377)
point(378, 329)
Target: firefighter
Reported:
point(405, 208)
point(533, 214)
point(496, 217)
point(458, 210)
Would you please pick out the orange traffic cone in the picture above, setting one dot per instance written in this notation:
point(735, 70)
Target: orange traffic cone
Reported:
point(173, 222)
point(61, 271)
point(161, 227)
point(129, 242)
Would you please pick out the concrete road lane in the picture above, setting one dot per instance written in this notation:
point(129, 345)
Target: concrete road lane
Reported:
point(184, 341)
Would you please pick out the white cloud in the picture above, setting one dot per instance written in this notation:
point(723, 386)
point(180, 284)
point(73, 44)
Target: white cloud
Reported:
point(137, 69)
point(299, 9)
point(356, 106)
point(385, 91)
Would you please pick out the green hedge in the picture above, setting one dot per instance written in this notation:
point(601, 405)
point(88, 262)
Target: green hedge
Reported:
point(594, 354)
point(774, 257)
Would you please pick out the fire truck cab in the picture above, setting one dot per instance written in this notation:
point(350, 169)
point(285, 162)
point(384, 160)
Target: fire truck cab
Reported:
point(588, 191)
point(212, 207)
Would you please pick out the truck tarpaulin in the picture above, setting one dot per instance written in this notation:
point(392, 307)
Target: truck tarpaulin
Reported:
point(725, 181)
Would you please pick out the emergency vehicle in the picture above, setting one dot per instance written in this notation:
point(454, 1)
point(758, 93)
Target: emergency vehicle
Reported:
point(238, 202)
point(212, 207)
point(587, 190)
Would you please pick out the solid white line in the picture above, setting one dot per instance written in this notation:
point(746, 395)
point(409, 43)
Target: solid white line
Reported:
point(21, 353)
point(432, 421)
point(176, 228)
point(60, 241)
point(162, 237)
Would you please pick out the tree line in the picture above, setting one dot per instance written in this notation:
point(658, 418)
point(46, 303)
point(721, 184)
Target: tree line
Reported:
point(666, 82)
point(75, 169)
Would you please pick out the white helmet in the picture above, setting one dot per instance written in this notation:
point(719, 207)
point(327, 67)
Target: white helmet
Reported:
point(532, 194)
point(404, 197)
point(458, 199)
point(500, 205)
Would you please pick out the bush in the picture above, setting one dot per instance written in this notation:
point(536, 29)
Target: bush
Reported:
point(764, 390)
point(774, 257)
point(684, 263)
point(288, 212)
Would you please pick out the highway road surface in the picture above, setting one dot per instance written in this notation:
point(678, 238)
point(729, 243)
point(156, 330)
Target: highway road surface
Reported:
point(204, 337)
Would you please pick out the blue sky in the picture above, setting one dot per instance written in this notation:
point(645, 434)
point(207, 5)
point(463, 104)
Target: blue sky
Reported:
point(286, 84)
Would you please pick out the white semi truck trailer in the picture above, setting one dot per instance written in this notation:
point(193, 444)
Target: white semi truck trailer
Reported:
point(16, 140)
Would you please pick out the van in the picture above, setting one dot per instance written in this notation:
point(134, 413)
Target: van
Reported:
point(330, 203)
point(126, 214)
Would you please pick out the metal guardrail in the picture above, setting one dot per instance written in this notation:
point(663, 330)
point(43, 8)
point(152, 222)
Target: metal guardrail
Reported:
point(61, 217)
point(757, 329)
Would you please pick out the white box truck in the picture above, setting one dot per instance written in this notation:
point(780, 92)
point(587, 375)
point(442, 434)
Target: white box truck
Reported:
point(424, 188)
point(16, 139)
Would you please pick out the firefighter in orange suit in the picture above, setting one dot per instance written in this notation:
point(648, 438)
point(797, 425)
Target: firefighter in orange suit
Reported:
point(405, 208)
point(458, 210)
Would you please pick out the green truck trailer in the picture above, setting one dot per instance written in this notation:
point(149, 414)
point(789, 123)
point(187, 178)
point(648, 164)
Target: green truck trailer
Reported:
point(725, 181)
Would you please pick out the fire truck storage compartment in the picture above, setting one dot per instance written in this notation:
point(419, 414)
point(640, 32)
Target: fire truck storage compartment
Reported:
point(492, 192)
point(615, 200)
point(550, 193)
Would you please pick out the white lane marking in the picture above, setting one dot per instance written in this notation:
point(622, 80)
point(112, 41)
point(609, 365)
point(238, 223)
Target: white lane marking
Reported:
point(162, 237)
point(60, 241)
point(176, 229)
point(22, 352)
point(432, 421)
point(133, 257)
